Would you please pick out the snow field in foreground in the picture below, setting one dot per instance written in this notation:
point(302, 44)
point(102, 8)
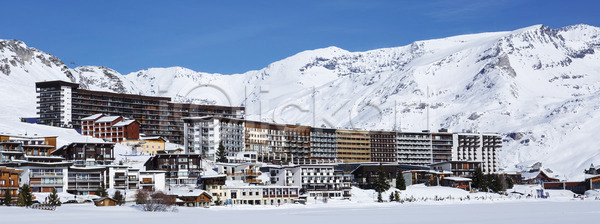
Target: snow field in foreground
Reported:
point(539, 211)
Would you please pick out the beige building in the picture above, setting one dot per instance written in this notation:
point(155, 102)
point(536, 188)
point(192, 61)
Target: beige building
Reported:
point(147, 145)
point(353, 146)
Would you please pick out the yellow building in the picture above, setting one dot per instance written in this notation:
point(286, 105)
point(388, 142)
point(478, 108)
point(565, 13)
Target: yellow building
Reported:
point(353, 146)
point(147, 145)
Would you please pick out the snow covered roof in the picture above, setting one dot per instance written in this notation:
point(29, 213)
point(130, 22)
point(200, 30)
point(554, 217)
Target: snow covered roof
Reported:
point(123, 123)
point(93, 117)
point(457, 178)
point(108, 119)
point(185, 191)
point(258, 187)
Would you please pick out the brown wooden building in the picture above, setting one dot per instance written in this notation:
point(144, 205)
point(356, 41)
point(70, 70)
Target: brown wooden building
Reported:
point(87, 153)
point(9, 183)
point(105, 201)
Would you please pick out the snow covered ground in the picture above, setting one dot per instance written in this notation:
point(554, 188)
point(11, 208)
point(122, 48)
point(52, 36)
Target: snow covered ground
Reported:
point(455, 207)
point(515, 211)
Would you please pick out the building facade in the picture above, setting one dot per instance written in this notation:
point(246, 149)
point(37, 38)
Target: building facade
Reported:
point(383, 146)
point(9, 183)
point(353, 146)
point(204, 134)
point(180, 169)
point(110, 128)
point(64, 104)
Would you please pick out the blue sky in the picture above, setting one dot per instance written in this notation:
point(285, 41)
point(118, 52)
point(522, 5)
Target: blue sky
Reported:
point(236, 36)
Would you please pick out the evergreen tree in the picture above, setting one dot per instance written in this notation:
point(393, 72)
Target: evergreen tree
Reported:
point(397, 196)
point(53, 198)
point(381, 184)
point(7, 198)
point(509, 183)
point(221, 154)
point(101, 192)
point(392, 197)
point(119, 198)
point(25, 196)
point(400, 182)
point(479, 179)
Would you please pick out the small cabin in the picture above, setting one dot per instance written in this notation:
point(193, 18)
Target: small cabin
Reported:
point(203, 199)
point(105, 201)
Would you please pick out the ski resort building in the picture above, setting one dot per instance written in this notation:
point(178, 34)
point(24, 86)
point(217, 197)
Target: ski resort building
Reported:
point(383, 146)
point(181, 169)
point(64, 104)
point(323, 145)
point(261, 195)
point(147, 144)
point(87, 153)
point(353, 146)
point(477, 147)
point(314, 180)
point(204, 134)
point(414, 148)
point(110, 128)
point(9, 183)
point(29, 145)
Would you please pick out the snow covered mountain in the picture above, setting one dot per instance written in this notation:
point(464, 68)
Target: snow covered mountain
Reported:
point(536, 85)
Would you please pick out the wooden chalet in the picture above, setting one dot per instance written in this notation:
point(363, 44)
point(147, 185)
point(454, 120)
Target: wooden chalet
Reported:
point(105, 201)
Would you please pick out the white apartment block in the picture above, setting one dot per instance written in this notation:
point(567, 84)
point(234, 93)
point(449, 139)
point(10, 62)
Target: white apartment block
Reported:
point(414, 148)
point(203, 135)
point(477, 147)
point(314, 180)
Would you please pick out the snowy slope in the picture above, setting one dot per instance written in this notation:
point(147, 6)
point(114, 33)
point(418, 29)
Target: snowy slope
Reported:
point(536, 85)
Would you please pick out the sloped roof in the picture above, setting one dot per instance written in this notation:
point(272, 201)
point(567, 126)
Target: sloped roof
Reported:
point(107, 119)
point(93, 117)
point(123, 123)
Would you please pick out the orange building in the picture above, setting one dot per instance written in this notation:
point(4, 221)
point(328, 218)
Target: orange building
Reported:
point(9, 182)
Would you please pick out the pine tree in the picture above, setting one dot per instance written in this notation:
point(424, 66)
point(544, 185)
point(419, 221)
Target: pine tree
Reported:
point(381, 184)
point(391, 197)
point(101, 192)
point(25, 196)
point(7, 198)
point(221, 154)
point(397, 196)
point(53, 198)
point(119, 198)
point(509, 183)
point(400, 182)
point(479, 179)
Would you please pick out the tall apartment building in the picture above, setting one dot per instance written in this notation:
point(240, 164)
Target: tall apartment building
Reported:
point(64, 104)
point(477, 147)
point(353, 146)
point(323, 145)
point(267, 140)
point(441, 146)
point(203, 135)
point(297, 142)
point(414, 148)
point(383, 146)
